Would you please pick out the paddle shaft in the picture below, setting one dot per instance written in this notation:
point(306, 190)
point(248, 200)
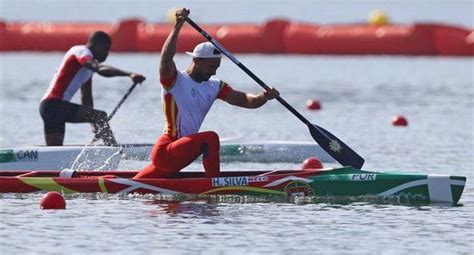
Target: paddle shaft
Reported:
point(329, 142)
point(245, 69)
point(121, 101)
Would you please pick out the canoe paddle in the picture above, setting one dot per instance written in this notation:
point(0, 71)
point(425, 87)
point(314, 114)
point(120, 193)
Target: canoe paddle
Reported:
point(95, 139)
point(329, 142)
point(121, 101)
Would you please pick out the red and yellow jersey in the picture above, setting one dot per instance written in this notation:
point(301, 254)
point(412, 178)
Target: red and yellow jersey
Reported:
point(186, 102)
point(71, 74)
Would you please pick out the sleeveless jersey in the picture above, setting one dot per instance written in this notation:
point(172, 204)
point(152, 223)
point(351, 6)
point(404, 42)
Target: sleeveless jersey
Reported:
point(71, 74)
point(186, 102)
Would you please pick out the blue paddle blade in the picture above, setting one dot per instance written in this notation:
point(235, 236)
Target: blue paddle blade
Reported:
point(335, 147)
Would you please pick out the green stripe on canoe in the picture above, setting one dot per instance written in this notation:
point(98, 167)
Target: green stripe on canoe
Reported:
point(230, 149)
point(239, 149)
point(456, 192)
point(102, 186)
point(7, 156)
point(459, 178)
point(46, 184)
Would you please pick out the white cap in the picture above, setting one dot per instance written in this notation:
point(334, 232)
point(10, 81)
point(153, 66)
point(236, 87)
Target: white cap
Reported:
point(205, 50)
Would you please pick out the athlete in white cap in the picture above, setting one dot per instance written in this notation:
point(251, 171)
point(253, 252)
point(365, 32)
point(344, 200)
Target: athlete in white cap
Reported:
point(187, 97)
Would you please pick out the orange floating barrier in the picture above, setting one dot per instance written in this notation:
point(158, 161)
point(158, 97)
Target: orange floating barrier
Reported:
point(275, 36)
point(48, 36)
point(240, 38)
point(272, 36)
point(358, 39)
point(244, 38)
point(151, 37)
point(453, 41)
point(124, 36)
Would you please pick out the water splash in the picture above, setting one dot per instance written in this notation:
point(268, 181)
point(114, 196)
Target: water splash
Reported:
point(97, 159)
point(108, 161)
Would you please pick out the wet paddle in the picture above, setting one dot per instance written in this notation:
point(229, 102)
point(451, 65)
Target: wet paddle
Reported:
point(95, 139)
point(329, 142)
point(121, 101)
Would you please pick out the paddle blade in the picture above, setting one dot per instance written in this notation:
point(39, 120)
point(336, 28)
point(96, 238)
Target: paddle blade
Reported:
point(335, 147)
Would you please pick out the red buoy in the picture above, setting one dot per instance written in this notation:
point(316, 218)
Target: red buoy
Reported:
point(313, 104)
point(312, 163)
point(399, 120)
point(53, 200)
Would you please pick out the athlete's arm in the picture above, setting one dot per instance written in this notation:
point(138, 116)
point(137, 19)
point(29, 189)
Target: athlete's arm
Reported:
point(167, 65)
point(248, 100)
point(110, 71)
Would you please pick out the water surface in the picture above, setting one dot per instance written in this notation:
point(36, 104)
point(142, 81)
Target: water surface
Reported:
point(359, 96)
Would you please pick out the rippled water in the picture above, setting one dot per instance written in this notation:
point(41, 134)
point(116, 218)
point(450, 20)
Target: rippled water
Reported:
point(359, 96)
point(142, 226)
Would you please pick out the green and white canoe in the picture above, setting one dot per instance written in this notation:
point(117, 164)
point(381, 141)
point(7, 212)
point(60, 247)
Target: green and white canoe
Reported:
point(346, 183)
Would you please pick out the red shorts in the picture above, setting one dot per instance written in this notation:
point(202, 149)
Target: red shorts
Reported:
point(171, 154)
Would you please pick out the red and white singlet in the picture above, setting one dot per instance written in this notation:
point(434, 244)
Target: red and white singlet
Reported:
point(71, 74)
point(186, 102)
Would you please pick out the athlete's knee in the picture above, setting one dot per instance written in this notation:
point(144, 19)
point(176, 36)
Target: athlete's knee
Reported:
point(211, 142)
point(204, 149)
point(212, 136)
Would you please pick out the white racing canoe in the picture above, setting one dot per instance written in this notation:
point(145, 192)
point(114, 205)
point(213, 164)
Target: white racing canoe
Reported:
point(80, 157)
point(60, 157)
point(263, 152)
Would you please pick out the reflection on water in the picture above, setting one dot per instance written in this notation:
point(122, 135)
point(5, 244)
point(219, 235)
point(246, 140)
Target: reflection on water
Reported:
point(187, 203)
point(214, 224)
point(205, 208)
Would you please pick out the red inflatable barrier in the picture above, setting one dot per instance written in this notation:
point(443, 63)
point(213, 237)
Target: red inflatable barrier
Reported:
point(124, 36)
point(358, 39)
point(48, 36)
point(272, 36)
point(61, 36)
point(275, 36)
point(241, 38)
point(453, 41)
point(151, 37)
point(3, 34)
point(244, 38)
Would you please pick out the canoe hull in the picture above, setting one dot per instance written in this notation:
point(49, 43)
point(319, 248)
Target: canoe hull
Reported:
point(59, 157)
point(337, 182)
point(80, 157)
point(261, 152)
